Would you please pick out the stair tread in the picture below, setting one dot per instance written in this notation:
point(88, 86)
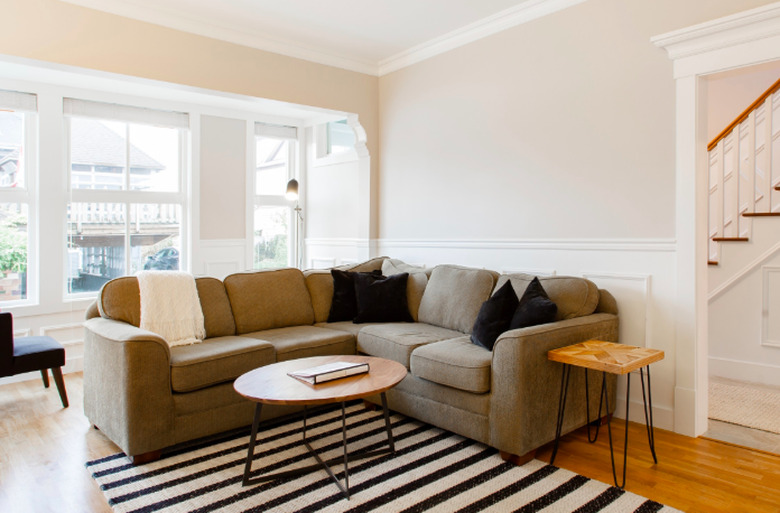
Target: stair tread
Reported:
point(761, 214)
point(712, 262)
point(730, 239)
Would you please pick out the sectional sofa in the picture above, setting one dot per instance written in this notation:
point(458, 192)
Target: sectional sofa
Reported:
point(146, 396)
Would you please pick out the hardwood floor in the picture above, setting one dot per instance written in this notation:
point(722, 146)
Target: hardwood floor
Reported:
point(43, 448)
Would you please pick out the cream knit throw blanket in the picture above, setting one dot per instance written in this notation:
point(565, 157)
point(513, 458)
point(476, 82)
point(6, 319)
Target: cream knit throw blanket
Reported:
point(170, 306)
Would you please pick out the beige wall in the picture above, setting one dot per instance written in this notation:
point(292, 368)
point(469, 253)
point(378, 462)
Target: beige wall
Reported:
point(730, 93)
point(58, 32)
point(222, 178)
point(560, 128)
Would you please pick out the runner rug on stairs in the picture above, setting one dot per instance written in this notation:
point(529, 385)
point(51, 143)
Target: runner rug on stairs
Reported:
point(432, 470)
point(745, 404)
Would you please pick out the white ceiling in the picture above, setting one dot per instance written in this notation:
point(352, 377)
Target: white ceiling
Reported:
point(370, 36)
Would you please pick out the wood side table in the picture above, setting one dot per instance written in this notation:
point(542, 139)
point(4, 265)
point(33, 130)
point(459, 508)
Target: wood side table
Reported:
point(616, 359)
point(271, 385)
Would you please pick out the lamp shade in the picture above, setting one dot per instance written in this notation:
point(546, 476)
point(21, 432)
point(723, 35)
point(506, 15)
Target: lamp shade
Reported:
point(292, 190)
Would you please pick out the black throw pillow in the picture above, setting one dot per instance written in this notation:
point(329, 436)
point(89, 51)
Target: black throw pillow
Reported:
point(382, 299)
point(535, 307)
point(494, 316)
point(343, 307)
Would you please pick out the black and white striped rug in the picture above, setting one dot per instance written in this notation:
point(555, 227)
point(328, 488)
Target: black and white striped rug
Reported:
point(432, 470)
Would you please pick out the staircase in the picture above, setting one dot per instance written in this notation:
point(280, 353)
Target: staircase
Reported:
point(744, 174)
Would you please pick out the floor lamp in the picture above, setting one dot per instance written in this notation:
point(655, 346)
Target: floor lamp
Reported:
point(292, 195)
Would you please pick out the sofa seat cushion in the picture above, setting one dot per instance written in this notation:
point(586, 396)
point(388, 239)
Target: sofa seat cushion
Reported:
point(304, 341)
point(217, 360)
point(455, 363)
point(348, 326)
point(396, 341)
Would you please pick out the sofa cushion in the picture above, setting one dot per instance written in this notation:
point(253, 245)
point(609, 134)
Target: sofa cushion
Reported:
point(120, 300)
point(415, 285)
point(455, 363)
point(574, 297)
point(381, 298)
point(304, 341)
point(347, 326)
point(397, 341)
point(320, 285)
point(454, 295)
point(217, 360)
point(217, 314)
point(265, 300)
point(535, 307)
point(374, 264)
point(494, 316)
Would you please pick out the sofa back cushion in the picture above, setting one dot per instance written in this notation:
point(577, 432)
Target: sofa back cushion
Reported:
point(415, 286)
point(217, 314)
point(454, 295)
point(265, 300)
point(574, 297)
point(320, 285)
point(120, 300)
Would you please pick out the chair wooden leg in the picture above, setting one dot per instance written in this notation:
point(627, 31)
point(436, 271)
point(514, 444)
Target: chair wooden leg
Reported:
point(57, 372)
point(45, 376)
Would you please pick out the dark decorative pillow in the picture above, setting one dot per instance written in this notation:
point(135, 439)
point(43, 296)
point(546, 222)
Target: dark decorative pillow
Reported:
point(382, 299)
point(535, 307)
point(494, 316)
point(343, 307)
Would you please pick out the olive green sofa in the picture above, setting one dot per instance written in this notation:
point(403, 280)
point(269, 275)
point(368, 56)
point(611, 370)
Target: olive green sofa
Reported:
point(146, 396)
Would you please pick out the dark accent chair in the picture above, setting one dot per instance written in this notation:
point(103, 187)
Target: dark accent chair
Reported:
point(28, 354)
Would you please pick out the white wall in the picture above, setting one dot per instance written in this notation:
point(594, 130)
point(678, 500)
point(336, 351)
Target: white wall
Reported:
point(549, 146)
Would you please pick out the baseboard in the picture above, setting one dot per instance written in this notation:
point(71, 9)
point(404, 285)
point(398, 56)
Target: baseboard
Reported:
point(739, 370)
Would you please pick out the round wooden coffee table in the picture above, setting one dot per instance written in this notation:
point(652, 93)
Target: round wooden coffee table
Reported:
point(271, 385)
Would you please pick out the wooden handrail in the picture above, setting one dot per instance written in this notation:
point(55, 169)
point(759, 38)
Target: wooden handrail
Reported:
point(742, 117)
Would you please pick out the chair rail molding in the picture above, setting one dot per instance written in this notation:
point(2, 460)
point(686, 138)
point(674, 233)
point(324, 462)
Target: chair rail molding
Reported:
point(662, 245)
point(743, 39)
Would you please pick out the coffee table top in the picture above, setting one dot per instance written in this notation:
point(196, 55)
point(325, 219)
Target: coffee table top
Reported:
point(606, 356)
point(270, 384)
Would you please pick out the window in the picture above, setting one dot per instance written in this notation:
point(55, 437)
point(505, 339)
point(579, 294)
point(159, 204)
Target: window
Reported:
point(18, 116)
point(340, 137)
point(126, 191)
point(275, 227)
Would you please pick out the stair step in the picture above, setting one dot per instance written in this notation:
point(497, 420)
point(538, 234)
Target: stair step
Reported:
point(712, 262)
point(761, 214)
point(729, 239)
point(777, 187)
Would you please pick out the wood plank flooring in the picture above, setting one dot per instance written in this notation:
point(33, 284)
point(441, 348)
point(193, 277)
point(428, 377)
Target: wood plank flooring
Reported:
point(43, 448)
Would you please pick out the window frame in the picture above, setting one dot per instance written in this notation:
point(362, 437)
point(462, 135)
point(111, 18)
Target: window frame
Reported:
point(292, 135)
point(27, 195)
point(128, 197)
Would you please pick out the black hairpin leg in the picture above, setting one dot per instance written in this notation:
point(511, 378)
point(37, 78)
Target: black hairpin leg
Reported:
point(587, 407)
point(648, 406)
point(609, 430)
point(326, 465)
point(561, 408)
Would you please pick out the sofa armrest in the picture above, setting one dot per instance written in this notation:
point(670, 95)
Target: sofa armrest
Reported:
point(525, 385)
point(127, 385)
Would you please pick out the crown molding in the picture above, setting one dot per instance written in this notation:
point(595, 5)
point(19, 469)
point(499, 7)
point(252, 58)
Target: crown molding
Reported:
point(725, 32)
point(176, 20)
point(517, 15)
point(508, 18)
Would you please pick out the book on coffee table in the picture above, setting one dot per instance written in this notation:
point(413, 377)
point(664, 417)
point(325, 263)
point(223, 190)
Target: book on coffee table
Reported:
point(329, 372)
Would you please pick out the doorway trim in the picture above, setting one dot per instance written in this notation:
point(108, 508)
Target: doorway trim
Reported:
point(743, 39)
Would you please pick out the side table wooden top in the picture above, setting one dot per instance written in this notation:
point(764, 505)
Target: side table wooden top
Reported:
point(270, 384)
point(606, 356)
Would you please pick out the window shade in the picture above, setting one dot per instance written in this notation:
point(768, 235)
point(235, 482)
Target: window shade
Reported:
point(276, 131)
point(126, 113)
point(20, 102)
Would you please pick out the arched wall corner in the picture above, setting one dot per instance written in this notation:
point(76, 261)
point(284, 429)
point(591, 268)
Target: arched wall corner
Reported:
point(367, 194)
point(743, 39)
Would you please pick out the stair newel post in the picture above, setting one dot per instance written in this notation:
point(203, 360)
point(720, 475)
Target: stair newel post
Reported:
point(751, 163)
point(768, 143)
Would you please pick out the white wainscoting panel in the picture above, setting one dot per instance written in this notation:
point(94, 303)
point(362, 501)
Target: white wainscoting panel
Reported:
point(321, 263)
point(631, 292)
point(770, 311)
point(534, 272)
point(219, 258)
